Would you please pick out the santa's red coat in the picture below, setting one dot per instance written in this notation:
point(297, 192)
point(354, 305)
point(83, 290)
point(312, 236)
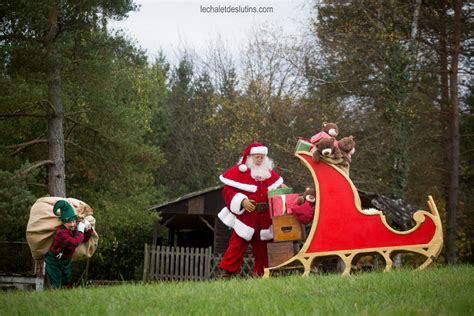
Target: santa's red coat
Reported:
point(238, 186)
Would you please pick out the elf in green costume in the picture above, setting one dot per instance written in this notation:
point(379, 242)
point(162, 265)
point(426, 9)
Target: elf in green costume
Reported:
point(66, 238)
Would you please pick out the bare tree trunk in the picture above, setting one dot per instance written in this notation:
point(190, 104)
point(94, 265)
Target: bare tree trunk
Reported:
point(453, 158)
point(56, 171)
point(414, 24)
point(444, 103)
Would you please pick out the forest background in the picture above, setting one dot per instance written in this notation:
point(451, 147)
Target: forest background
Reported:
point(83, 113)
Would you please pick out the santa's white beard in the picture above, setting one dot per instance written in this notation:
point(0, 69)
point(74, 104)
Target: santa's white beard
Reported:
point(261, 172)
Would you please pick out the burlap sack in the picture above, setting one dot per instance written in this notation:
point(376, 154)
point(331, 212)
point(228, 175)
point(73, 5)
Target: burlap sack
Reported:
point(42, 224)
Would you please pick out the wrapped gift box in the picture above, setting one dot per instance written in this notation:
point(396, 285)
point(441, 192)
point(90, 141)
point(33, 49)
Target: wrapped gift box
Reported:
point(279, 191)
point(281, 204)
point(303, 145)
point(287, 228)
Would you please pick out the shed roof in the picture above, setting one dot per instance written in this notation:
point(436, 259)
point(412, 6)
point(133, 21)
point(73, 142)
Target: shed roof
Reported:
point(187, 196)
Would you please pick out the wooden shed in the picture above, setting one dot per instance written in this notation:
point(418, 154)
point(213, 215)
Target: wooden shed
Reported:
point(191, 221)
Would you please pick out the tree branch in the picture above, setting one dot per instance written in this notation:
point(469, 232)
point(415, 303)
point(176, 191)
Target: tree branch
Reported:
point(82, 148)
point(35, 165)
point(20, 147)
point(39, 185)
point(466, 152)
point(22, 114)
point(77, 112)
point(8, 37)
point(51, 106)
point(88, 127)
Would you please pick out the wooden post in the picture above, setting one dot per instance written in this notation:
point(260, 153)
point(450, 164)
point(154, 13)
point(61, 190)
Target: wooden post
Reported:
point(192, 253)
point(145, 264)
point(186, 264)
point(40, 273)
point(152, 270)
point(202, 257)
point(208, 263)
point(181, 263)
point(162, 261)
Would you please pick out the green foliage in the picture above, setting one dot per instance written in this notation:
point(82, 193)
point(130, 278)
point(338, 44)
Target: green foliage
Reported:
point(124, 228)
point(465, 244)
point(113, 167)
point(111, 98)
point(433, 291)
point(188, 138)
point(368, 53)
point(16, 200)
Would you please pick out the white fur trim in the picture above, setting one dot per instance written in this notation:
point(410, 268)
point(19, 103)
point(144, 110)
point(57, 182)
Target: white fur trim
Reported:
point(230, 220)
point(266, 234)
point(276, 184)
point(244, 231)
point(235, 204)
point(263, 150)
point(241, 186)
point(332, 132)
point(353, 150)
point(243, 168)
point(226, 216)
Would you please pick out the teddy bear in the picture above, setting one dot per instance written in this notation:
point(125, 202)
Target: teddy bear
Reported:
point(347, 148)
point(304, 210)
point(327, 148)
point(330, 128)
point(308, 195)
point(327, 130)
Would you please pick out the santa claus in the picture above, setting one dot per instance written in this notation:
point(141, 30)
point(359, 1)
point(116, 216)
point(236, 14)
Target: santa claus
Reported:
point(245, 194)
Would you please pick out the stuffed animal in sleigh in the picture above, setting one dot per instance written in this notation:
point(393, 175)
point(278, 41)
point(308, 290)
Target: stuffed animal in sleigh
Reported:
point(304, 210)
point(326, 148)
point(309, 195)
point(327, 130)
point(346, 146)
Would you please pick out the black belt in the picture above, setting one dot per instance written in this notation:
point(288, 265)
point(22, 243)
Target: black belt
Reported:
point(261, 207)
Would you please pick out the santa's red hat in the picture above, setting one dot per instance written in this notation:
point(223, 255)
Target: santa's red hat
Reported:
point(252, 149)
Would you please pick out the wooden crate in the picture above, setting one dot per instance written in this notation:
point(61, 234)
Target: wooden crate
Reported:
point(286, 228)
point(279, 252)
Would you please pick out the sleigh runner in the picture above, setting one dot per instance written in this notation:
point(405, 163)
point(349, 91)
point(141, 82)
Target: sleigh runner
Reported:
point(340, 228)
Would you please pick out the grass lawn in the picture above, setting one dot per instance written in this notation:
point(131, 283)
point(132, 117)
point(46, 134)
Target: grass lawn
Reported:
point(433, 291)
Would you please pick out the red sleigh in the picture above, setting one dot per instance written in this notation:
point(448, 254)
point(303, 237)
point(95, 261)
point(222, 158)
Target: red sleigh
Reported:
point(341, 229)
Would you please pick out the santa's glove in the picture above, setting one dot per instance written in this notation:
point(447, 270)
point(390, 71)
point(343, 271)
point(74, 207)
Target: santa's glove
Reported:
point(248, 205)
point(81, 226)
point(88, 224)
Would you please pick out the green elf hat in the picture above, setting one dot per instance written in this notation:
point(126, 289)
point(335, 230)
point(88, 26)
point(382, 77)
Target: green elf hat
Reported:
point(67, 212)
